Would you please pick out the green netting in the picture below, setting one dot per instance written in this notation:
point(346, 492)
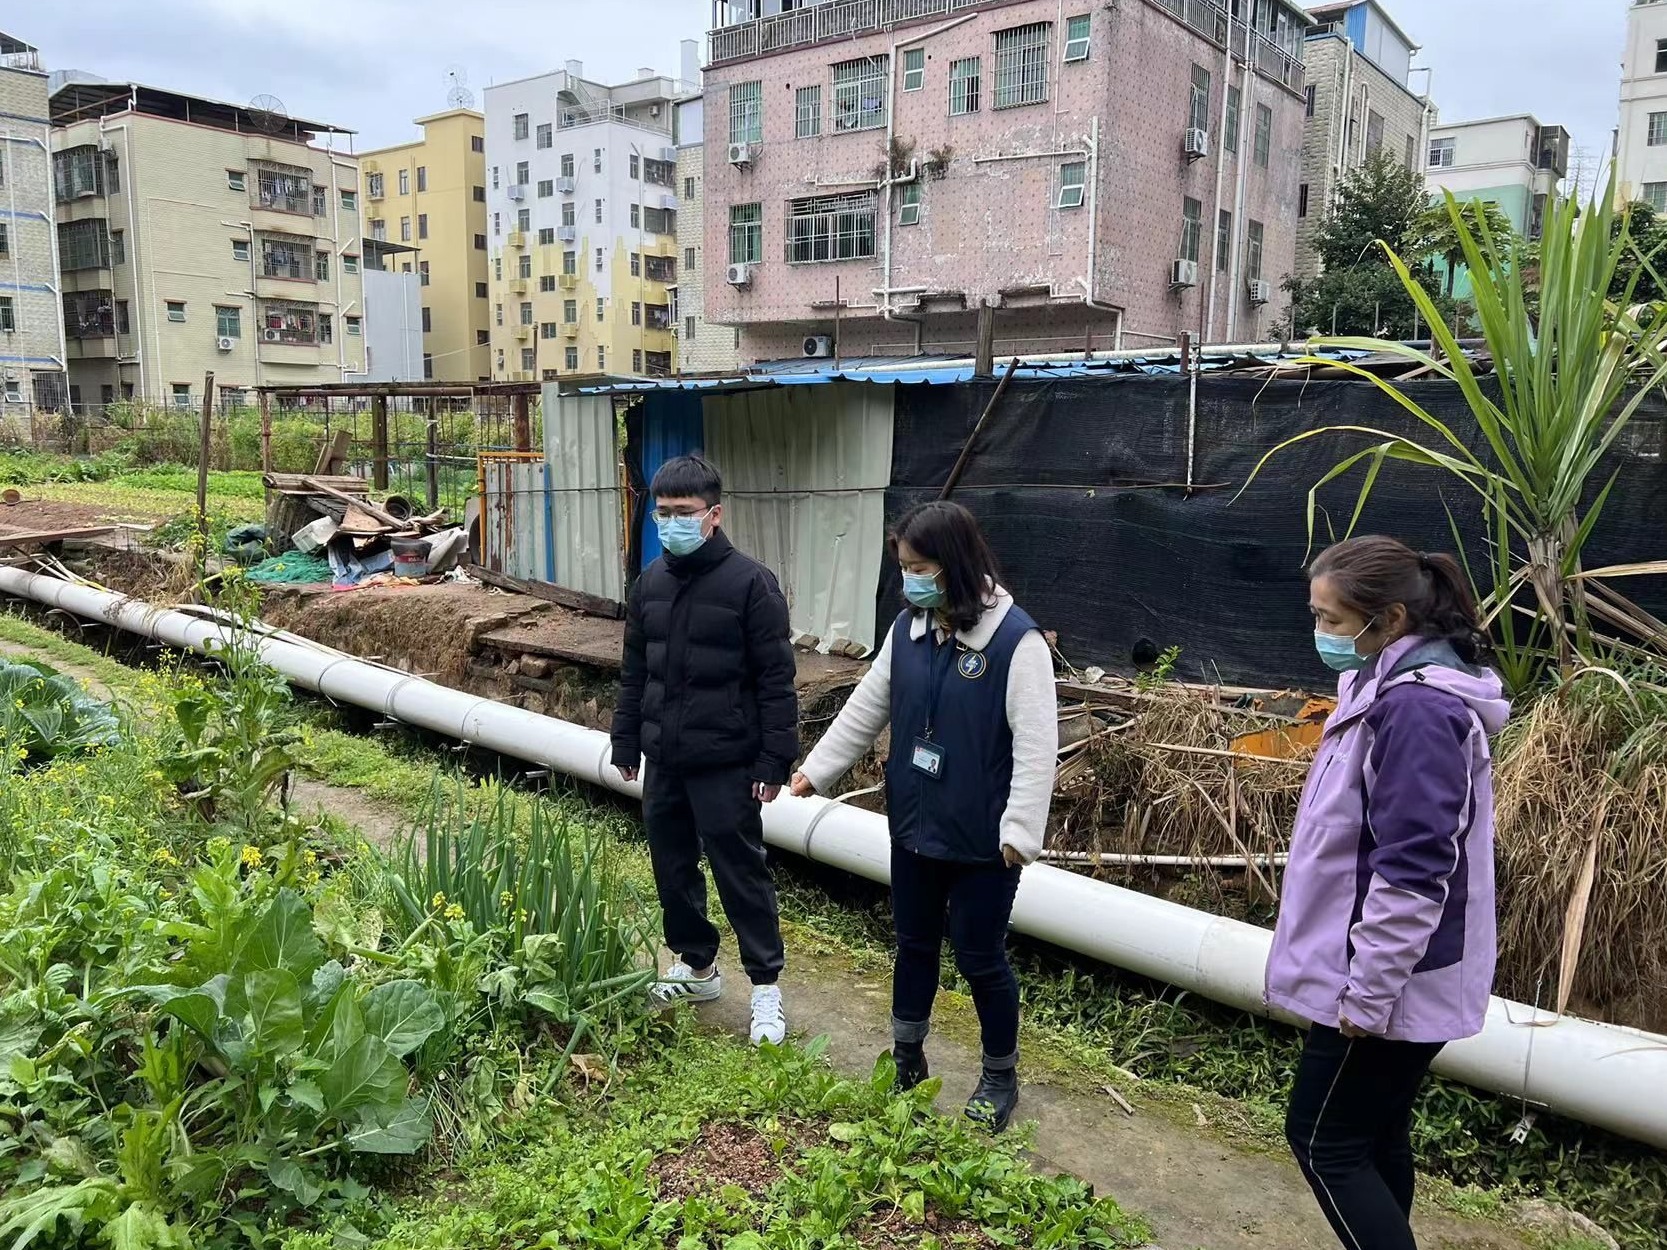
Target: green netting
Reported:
point(291, 568)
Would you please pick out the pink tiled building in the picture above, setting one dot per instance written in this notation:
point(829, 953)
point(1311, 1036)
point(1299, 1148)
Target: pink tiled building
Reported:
point(1104, 175)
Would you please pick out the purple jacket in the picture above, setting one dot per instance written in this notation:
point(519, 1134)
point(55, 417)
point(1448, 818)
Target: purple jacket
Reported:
point(1387, 911)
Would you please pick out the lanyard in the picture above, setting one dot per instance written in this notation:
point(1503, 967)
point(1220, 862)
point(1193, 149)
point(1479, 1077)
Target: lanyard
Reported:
point(939, 668)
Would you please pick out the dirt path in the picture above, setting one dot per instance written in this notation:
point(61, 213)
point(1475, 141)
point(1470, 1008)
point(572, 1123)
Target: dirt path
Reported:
point(94, 685)
point(379, 822)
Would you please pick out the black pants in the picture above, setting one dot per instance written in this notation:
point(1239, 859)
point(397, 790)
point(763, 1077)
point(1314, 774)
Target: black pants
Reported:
point(977, 900)
point(714, 812)
point(1350, 1127)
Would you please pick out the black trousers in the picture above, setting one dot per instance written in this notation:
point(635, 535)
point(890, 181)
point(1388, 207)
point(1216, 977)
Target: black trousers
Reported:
point(976, 900)
point(715, 813)
point(1350, 1127)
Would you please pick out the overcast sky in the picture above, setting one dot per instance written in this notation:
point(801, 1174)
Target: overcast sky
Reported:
point(373, 65)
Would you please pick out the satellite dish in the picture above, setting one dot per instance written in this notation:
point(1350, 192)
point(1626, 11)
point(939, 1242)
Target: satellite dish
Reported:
point(267, 112)
point(459, 97)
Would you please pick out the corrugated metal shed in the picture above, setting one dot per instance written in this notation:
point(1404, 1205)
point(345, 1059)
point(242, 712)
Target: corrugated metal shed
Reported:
point(517, 518)
point(586, 508)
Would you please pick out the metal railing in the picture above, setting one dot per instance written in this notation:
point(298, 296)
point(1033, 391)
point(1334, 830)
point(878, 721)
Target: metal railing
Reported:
point(26, 58)
point(1210, 19)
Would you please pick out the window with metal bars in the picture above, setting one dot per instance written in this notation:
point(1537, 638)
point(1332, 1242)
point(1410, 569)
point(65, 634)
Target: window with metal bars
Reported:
point(283, 256)
point(1254, 237)
point(830, 228)
point(83, 245)
point(1264, 134)
point(965, 77)
point(1192, 228)
point(82, 171)
point(746, 234)
point(284, 189)
point(1198, 106)
point(282, 322)
point(659, 220)
point(746, 112)
point(859, 93)
point(807, 114)
point(1022, 66)
point(89, 314)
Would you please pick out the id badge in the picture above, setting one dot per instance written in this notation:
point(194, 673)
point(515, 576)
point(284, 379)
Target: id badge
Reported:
point(927, 758)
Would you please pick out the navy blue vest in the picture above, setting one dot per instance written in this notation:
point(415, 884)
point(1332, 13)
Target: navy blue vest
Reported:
point(956, 815)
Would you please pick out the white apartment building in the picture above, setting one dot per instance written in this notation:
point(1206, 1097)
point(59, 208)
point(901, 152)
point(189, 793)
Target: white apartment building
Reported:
point(702, 347)
point(1641, 139)
point(582, 207)
point(32, 348)
point(197, 236)
point(1513, 162)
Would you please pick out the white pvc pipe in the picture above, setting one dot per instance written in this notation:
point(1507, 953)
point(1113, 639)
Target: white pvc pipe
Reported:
point(1599, 1074)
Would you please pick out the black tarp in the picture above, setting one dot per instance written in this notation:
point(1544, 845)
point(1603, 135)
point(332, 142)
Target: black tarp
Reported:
point(1078, 485)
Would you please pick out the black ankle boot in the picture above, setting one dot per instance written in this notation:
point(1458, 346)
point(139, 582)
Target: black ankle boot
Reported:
point(993, 1102)
point(912, 1069)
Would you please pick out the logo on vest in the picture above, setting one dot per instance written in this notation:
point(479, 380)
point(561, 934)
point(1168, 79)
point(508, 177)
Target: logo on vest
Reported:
point(972, 665)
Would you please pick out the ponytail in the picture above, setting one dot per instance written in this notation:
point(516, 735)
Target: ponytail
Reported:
point(1373, 574)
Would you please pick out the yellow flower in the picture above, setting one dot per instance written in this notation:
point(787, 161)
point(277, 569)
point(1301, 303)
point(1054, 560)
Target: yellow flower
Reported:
point(438, 901)
point(505, 899)
point(309, 858)
point(251, 856)
point(164, 857)
point(454, 912)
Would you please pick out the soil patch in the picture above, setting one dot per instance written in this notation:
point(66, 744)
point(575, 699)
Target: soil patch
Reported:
point(52, 514)
point(721, 1156)
point(895, 1232)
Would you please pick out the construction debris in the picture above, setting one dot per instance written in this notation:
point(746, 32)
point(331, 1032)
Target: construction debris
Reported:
point(358, 541)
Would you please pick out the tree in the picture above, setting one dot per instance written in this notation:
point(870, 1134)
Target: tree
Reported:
point(1480, 217)
point(1646, 259)
point(1380, 204)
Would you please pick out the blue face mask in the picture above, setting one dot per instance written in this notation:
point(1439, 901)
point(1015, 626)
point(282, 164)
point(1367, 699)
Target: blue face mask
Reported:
point(1338, 650)
point(682, 535)
point(922, 590)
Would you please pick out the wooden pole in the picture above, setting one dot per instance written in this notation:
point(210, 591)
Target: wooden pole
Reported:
point(985, 367)
point(265, 432)
point(204, 438)
point(966, 451)
point(523, 422)
point(433, 463)
point(379, 442)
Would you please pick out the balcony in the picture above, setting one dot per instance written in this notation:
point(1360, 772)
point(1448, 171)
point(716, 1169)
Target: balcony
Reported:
point(516, 238)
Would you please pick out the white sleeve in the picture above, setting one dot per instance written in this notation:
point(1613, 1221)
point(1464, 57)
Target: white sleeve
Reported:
point(860, 721)
point(1033, 717)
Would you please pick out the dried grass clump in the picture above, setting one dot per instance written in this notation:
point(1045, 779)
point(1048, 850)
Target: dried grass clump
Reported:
point(1581, 804)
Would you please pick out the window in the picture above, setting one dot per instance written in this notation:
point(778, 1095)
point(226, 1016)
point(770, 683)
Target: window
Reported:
point(546, 283)
point(601, 308)
point(529, 359)
point(830, 228)
point(569, 214)
point(1655, 195)
point(428, 320)
point(422, 225)
point(1198, 109)
point(350, 263)
point(497, 268)
point(546, 135)
point(118, 247)
point(480, 195)
point(636, 313)
point(1224, 239)
point(1253, 251)
point(1264, 134)
point(636, 216)
point(81, 245)
point(636, 167)
point(1192, 228)
point(1076, 38)
point(176, 309)
point(964, 79)
point(235, 180)
point(689, 329)
point(355, 325)
point(807, 123)
point(523, 219)
point(636, 265)
point(659, 221)
point(404, 229)
point(908, 212)
point(1313, 96)
point(689, 183)
point(914, 69)
point(746, 234)
point(596, 160)
point(6, 243)
point(546, 236)
point(350, 200)
point(524, 266)
point(477, 143)
point(298, 325)
point(321, 266)
point(1302, 200)
point(494, 177)
point(1374, 132)
point(572, 361)
point(8, 314)
point(1658, 129)
point(746, 114)
point(636, 360)
point(546, 188)
point(1021, 66)
point(569, 314)
point(1073, 178)
point(569, 262)
point(182, 394)
point(405, 182)
point(480, 243)
point(523, 173)
point(373, 186)
point(1661, 56)
point(522, 129)
point(689, 259)
point(567, 165)
point(422, 268)
point(483, 338)
point(1230, 139)
point(859, 93)
point(121, 316)
point(1443, 153)
point(498, 314)
point(482, 291)
point(83, 171)
point(526, 312)
point(599, 260)
point(602, 358)
point(1412, 153)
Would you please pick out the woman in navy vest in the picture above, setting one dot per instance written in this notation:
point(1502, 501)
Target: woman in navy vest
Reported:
point(965, 682)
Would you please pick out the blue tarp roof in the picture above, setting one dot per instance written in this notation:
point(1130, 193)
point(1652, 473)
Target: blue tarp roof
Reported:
point(916, 372)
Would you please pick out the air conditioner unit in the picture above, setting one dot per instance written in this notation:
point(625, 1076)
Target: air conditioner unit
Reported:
point(818, 345)
point(225, 343)
point(1196, 144)
point(567, 234)
point(669, 155)
point(739, 275)
point(669, 201)
point(566, 185)
point(523, 333)
point(1184, 273)
point(740, 154)
point(1261, 291)
point(569, 281)
point(570, 329)
point(517, 191)
point(371, 167)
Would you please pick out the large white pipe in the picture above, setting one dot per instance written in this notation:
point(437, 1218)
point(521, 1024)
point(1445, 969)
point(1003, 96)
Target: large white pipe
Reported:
point(1599, 1074)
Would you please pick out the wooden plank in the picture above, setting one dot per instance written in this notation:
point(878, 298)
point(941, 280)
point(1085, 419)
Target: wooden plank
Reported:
point(578, 600)
point(54, 536)
point(296, 482)
point(505, 640)
point(333, 452)
point(387, 518)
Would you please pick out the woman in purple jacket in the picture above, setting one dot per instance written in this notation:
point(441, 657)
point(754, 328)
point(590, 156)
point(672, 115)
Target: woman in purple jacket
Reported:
point(1386, 932)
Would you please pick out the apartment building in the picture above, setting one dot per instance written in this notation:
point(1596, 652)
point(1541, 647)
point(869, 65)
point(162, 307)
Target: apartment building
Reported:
point(1641, 139)
point(702, 345)
point(395, 303)
point(197, 236)
point(1098, 175)
point(32, 345)
point(431, 195)
point(1360, 103)
point(1513, 162)
point(583, 201)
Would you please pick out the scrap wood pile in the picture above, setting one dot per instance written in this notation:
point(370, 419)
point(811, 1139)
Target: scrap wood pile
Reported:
point(357, 542)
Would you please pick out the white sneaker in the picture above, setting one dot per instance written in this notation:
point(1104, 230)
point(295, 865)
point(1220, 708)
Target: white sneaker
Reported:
point(769, 1022)
point(681, 985)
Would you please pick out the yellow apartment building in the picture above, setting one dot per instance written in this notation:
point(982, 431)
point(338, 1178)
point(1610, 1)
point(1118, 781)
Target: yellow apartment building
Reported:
point(197, 236)
point(431, 195)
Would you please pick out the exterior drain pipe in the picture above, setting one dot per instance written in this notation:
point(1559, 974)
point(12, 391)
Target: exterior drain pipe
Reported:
point(1598, 1074)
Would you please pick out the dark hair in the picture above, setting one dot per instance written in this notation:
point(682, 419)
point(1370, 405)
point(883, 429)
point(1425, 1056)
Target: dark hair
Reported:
point(688, 477)
point(1374, 573)
point(947, 534)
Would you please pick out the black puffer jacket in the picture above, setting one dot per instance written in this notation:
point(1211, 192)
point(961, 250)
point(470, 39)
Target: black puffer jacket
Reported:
point(708, 675)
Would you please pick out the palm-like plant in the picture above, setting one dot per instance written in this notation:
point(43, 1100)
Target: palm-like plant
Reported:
point(1439, 229)
point(1569, 379)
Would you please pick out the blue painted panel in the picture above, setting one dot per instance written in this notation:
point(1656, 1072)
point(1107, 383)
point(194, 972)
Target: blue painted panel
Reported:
point(672, 426)
point(1357, 26)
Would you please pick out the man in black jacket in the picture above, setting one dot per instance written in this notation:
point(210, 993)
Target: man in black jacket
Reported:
point(707, 696)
